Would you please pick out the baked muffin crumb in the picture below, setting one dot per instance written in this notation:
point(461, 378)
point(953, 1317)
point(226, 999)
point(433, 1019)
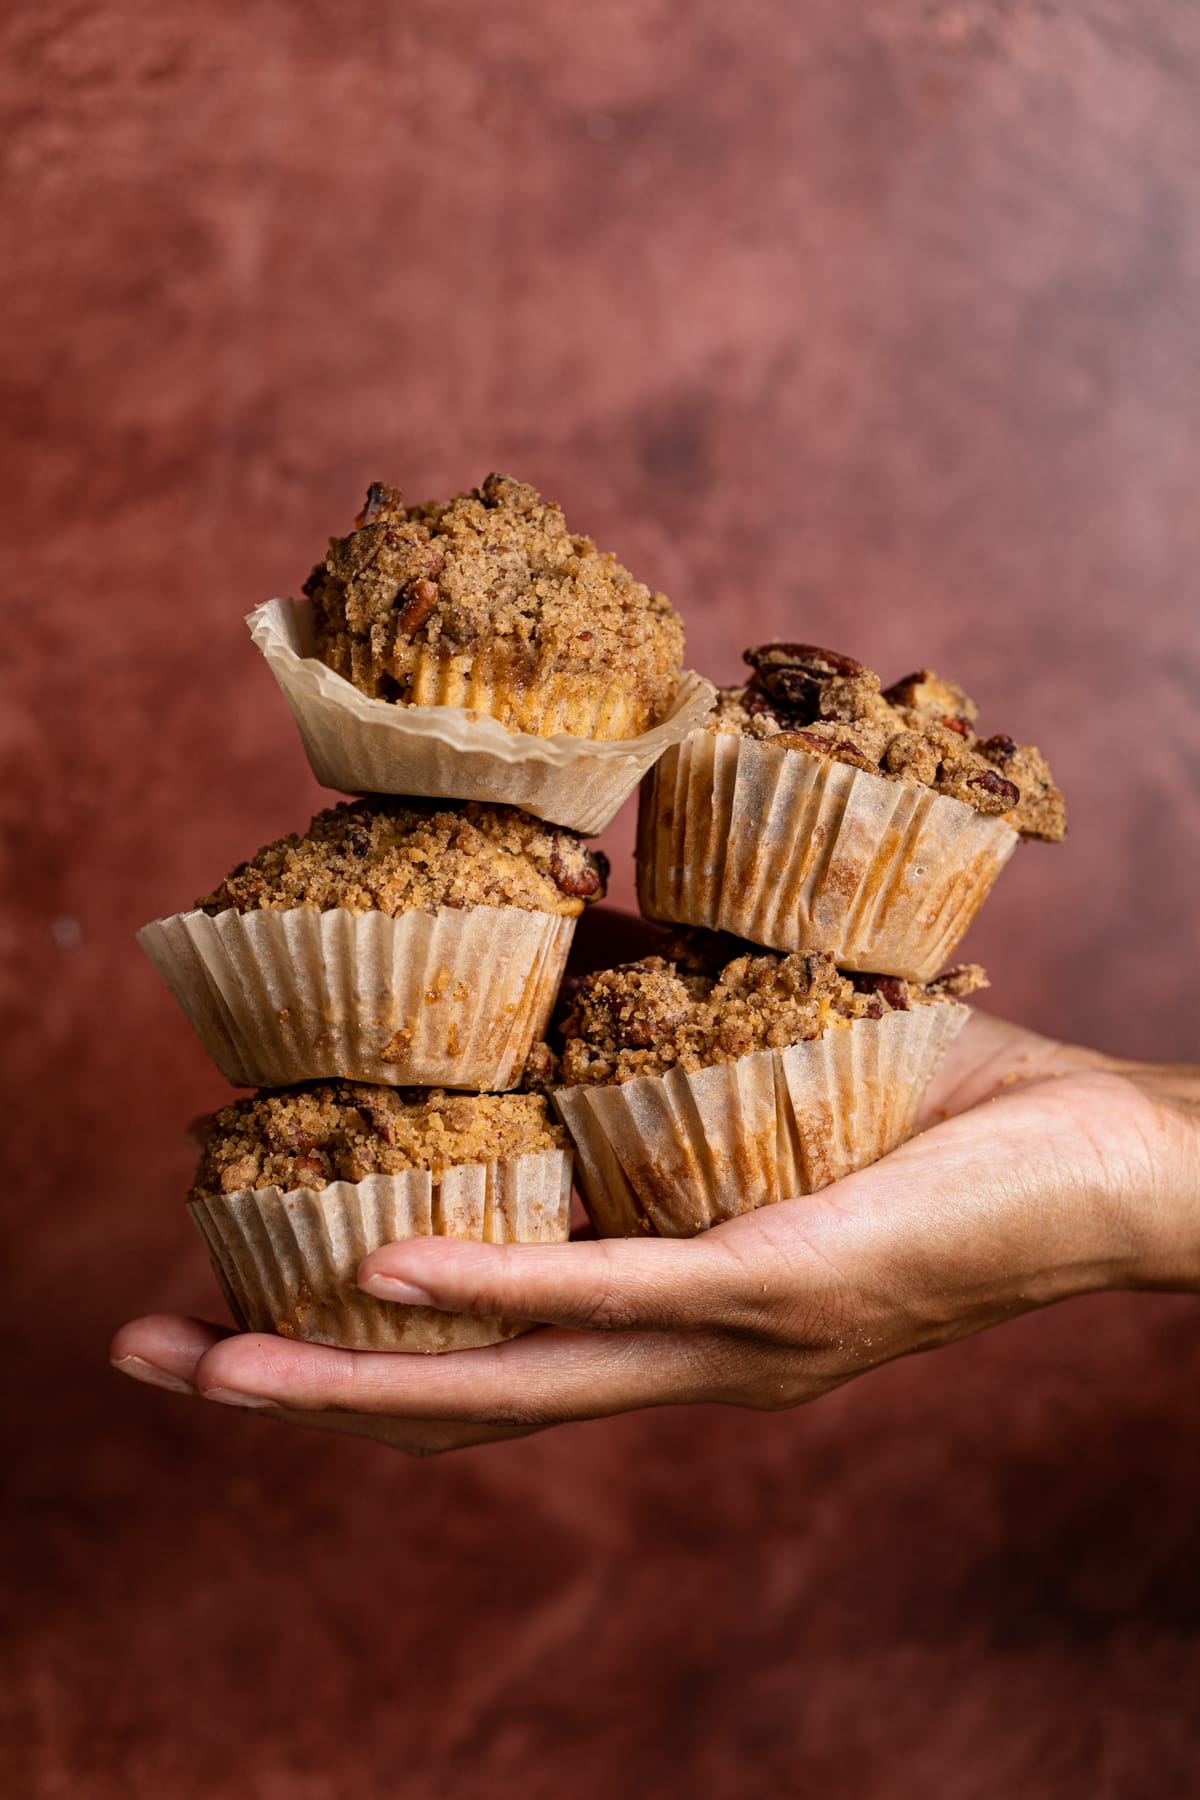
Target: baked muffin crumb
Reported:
point(403, 855)
point(491, 574)
point(346, 1130)
point(646, 1017)
point(921, 729)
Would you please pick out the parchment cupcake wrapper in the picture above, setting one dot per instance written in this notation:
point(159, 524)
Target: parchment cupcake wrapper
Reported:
point(798, 852)
point(360, 745)
point(286, 1261)
point(452, 998)
point(671, 1155)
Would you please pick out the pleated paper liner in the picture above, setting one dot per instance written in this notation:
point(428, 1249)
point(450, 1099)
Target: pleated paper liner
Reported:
point(798, 852)
point(286, 1261)
point(453, 998)
point(361, 746)
point(671, 1155)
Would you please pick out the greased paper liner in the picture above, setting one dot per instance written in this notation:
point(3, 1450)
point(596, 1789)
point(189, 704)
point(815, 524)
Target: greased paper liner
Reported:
point(671, 1155)
point(365, 746)
point(286, 1261)
point(453, 998)
point(799, 852)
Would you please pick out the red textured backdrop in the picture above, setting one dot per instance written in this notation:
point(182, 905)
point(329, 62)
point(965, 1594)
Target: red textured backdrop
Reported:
point(872, 324)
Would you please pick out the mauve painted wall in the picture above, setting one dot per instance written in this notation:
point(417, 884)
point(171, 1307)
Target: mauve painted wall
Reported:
point(875, 325)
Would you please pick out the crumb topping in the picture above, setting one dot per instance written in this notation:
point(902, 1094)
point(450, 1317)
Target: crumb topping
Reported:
point(646, 1017)
point(921, 729)
point(346, 1130)
point(494, 571)
point(399, 855)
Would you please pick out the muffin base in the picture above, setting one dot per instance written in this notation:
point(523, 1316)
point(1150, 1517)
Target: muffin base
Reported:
point(364, 746)
point(671, 1155)
point(286, 1262)
point(453, 998)
point(798, 852)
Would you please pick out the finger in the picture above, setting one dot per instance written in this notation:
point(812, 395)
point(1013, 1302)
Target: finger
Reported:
point(544, 1378)
point(609, 1284)
point(163, 1349)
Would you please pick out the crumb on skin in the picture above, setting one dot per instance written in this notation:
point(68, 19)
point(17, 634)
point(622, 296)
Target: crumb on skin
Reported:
point(921, 729)
point(345, 1130)
point(496, 573)
point(646, 1017)
point(400, 855)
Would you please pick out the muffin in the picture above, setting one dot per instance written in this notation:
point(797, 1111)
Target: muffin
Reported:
point(395, 941)
point(489, 601)
point(693, 1094)
point(476, 648)
point(295, 1188)
point(814, 811)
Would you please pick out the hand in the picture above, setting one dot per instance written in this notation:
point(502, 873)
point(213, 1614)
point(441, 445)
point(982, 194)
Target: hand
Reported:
point(1042, 1172)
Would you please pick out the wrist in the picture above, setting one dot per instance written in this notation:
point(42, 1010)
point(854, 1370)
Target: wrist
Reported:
point(1157, 1182)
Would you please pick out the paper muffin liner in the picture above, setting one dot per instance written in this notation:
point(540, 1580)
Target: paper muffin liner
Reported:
point(669, 1155)
point(798, 852)
point(365, 746)
point(453, 998)
point(286, 1261)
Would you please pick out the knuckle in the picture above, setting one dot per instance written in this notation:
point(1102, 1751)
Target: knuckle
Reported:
point(607, 1306)
point(606, 1311)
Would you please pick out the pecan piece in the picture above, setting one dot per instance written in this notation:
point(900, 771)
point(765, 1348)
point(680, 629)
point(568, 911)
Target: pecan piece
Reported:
point(801, 656)
point(382, 502)
point(797, 674)
point(422, 598)
point(887, 987)
point(1005, 791)
point(757, 702)
point(584, 876)
point(840, 750)
point(999, 749)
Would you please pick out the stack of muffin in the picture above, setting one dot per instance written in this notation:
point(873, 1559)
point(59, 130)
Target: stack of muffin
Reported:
point(496, 687)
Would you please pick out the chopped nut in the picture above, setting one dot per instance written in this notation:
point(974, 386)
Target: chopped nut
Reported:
point(581, 873)
point(382, 502)
point(422, 598)
point(1006, 793)
point(888, 987)
point(999, 749)
point(838, 749)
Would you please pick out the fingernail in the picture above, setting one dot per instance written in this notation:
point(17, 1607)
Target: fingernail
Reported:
point(231, 1397)
point(402, 1293)
point(152, 1375)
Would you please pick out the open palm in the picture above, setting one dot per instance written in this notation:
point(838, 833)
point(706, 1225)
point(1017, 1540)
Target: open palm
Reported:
point(1040, 1171)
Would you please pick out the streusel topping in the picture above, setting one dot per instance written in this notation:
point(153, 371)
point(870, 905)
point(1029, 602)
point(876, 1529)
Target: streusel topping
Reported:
point(650, 1016)
point(346, 1130)
point(400, 855)
point(921, 729)
point(497, 571)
